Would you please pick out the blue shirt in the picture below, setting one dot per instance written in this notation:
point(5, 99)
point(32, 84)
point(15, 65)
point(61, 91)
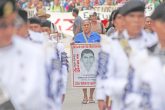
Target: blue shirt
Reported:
point(93, 38)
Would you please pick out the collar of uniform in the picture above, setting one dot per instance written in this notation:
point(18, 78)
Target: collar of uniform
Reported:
point(126, 36)
point(7, 48)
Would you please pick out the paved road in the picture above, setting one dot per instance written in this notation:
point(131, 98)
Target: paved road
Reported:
point(73, 100)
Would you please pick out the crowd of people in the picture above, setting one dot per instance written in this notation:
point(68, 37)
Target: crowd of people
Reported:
point(68, 5)
point(34, 65)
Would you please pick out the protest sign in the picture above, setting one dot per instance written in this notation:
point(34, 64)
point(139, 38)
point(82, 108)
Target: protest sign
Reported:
point(105, 8)
point(63, 21)
point(84, 58)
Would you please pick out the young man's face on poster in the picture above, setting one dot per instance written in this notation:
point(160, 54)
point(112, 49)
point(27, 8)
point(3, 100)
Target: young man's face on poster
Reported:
point(87, 59)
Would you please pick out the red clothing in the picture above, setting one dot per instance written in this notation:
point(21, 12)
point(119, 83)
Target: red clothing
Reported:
point(104, 22)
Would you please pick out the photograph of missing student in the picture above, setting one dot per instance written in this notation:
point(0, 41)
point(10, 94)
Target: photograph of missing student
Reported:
point(87, 61)
point(84, 58)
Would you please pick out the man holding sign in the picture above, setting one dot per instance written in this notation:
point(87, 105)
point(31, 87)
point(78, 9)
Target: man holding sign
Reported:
point(87, 37)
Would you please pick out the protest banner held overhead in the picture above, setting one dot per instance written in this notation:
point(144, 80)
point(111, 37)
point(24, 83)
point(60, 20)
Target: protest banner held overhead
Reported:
point(84, 58)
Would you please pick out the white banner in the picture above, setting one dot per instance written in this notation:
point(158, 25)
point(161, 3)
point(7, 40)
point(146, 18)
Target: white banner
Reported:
point(64, 21)
point(105, 8)
point(84, 58)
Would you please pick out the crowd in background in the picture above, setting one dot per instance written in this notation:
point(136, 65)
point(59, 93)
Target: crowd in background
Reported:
point(68, 5)
point(101, 26)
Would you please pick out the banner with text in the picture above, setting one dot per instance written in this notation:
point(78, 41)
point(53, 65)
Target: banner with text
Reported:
point(64, 21)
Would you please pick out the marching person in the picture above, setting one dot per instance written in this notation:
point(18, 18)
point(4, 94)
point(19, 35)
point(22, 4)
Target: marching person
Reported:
point(24, 64)
point(57, 48)
point(113, 75)
point(35, 31)
point(149, 78)
point(46, 26)
point(87, 37)
point(158, 23)
point(35, 24)
point(50, 29)
point(62, 55)
point(35, 27)
point(32, 32)
point(119, 27)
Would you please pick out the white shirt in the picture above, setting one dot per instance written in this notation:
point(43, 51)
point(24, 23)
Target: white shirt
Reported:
point(23, 75)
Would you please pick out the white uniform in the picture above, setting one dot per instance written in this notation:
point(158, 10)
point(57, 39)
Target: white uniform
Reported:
point(64, 65)
point(148, 84)
point(54, 52)
point(113, 67)
point(22, 73)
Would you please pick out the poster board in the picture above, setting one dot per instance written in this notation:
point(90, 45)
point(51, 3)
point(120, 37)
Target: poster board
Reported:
point(84, 64)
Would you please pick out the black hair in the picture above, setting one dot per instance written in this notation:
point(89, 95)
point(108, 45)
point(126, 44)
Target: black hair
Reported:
point(110, 21)
point(132, 6)
point(23, 14)
point(159, 13)
point(75, 10)
point(46, 23)
point(116, 12)
point(35, 20)
point(87, 51)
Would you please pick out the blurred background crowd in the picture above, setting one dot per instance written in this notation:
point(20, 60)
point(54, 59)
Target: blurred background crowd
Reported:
point(99, 25)
point(68, 5)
